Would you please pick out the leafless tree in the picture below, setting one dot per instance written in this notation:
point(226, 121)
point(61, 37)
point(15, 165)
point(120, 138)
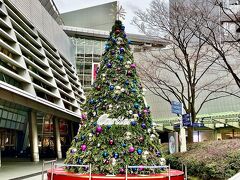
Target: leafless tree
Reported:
point(186, 70)
point(222, 33)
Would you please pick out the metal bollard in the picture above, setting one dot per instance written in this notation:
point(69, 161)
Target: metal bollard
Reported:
point(90, 173)
point(43, 170)
point(126, 175)
point(186, 172)
point(169, 173)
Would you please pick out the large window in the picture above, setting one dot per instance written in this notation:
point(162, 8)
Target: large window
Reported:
point(88, 52)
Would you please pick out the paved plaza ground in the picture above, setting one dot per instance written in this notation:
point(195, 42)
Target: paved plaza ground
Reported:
point(18, 169)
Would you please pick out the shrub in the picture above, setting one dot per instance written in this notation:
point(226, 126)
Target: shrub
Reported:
point(209, 160)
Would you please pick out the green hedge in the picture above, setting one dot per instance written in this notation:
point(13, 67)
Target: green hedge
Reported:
point(209, 160)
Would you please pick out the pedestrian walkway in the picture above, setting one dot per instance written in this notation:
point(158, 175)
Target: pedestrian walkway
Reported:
point(18, 169)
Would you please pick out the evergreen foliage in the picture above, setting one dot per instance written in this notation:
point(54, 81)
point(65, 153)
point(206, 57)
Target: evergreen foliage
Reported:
point(128, 138)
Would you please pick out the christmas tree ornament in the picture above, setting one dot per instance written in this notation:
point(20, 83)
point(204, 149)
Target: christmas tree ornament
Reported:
point(119, 41)
point(130, 112)
point(145, 111)
point(120, 57)
point(119, 69)
point(107, 47)
point(135, 116)
point(162, 161)
point(158, 154)
point(114, 41)
point(133, 90)
point(131, 149)
point(113, 161)
point(128, 135)
point(134, 169)
point(105, 154)
point(121, 50)
point(144, 126)
point(139, 115)
point(133, 66)
point(117, 31)
point(118, 87)
point(141, 168)
point(122, 28)
point(98, 88)
point(136, 105)
point(79, 161)
point(73, 151)
point(149, 130)
point(139, 151)
point(117, 92)
point(141, 139)
point(84, 116)
point(124, 145)
point(133, 123)
point(99, 129)
point(109, 65)
point(76, 139)
point(107, 162)
point(112, 52)
point(129, 73)
point(109, 126)
point(121, 171)
point(145, 155)
point(90, 135)
point(110, 106)
point(122, 90)
point(111, 142)
point(83, 147)
point(116, 155)
point(91, 101)
point(83, 137)
point(98, 145)
point(127, 66)
point(111, 87)
point(152, 137)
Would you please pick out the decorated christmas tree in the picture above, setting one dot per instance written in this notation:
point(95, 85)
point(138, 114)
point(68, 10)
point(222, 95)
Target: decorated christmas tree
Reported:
point(116, 126)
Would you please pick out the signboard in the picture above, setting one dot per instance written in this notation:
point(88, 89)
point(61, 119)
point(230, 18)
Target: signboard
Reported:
point(197, 125)
point(173, 142)
point(186, 120)
point(176, 107)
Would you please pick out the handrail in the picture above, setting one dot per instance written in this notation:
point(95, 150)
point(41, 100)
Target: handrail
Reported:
point(72, 165)
point(52, 166)
point(55, 165)
point(151, 167)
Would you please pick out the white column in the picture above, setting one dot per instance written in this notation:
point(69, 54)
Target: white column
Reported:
point(183, 142)
point(33, 136)
point(56, 134)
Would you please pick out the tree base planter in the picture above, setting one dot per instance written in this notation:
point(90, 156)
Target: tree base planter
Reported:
point(61, 174)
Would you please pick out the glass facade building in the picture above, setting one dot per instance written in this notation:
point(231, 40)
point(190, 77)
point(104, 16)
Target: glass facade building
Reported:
point(88, 54)
point(40, 93)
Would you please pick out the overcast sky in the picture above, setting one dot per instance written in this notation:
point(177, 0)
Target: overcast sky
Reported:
point(129, 5)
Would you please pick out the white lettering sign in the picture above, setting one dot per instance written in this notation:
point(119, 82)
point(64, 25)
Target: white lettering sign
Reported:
point(104, 120)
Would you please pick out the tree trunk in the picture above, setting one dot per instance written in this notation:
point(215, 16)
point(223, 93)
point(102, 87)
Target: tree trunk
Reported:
point(190, 135)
